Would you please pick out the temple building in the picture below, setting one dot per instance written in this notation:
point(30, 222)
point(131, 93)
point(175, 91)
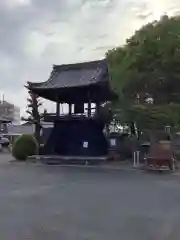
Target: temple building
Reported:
point(77, 133)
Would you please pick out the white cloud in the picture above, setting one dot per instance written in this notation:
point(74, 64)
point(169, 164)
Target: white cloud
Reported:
point(17, 3)
point(34, 34)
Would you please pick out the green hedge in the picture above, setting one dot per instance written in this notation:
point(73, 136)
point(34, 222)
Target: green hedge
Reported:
point(24, 146)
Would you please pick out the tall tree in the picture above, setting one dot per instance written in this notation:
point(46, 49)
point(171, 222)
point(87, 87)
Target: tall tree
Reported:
point(147, 66)
point(33, 112)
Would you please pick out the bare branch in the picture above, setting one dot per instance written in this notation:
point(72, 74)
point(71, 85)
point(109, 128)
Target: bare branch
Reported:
point(28, 119)
point(29, 112)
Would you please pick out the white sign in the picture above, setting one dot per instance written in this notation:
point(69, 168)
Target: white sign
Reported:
point(85, 144)
point(113, 142)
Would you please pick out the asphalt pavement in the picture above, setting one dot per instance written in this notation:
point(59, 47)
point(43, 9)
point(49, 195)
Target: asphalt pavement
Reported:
point(52, 202)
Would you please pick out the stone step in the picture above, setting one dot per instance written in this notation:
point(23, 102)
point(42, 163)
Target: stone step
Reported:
point(71, 160)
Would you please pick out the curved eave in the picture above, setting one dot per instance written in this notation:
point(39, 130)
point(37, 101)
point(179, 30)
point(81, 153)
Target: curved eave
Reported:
point(72, 82)
point(32, 85)
point(80, 94)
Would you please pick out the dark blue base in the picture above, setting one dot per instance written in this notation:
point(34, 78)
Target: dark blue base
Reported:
point(68, 136)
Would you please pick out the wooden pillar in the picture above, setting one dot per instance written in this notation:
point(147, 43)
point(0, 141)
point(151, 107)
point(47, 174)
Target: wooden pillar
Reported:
point(57, 108)
point(89, 108)
point(98, 107)
point(70, 109)
point(89, 105)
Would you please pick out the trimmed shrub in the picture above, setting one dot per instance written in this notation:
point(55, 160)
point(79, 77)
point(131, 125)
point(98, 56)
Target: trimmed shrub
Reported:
point(24, 146)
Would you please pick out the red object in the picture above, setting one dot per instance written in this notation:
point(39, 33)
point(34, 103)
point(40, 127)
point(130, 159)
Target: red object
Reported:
point(160, 158)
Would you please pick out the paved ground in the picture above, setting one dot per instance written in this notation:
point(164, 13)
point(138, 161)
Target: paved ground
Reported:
point(48, 202)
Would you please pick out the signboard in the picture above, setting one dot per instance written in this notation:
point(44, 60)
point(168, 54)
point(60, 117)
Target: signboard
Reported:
point(85, 144)
point(113, 142)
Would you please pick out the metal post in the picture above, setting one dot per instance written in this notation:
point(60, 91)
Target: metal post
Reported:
point(173, 165)
point(134, 159)
point(138, 156)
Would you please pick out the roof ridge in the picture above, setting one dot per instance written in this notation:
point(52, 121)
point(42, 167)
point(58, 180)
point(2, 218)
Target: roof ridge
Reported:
point(78, 65)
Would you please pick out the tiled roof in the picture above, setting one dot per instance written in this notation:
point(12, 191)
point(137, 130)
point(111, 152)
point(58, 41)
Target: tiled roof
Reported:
point(75, 75)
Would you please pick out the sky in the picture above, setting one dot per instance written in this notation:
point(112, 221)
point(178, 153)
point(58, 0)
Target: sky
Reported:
point(35, 34)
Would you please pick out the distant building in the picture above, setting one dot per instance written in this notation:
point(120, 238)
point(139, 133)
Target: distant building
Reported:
point(10, 112)
point(16, 116)
point(28, 128)
point(20, 129)
point(3, 125)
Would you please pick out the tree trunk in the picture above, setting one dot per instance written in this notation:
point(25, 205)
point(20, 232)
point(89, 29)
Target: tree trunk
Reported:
point(132, 129)
point(38, 134)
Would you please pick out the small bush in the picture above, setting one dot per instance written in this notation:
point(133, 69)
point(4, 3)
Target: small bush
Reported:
point(24, 146)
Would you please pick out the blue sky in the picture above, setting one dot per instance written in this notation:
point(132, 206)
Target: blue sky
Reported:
point(35, 34)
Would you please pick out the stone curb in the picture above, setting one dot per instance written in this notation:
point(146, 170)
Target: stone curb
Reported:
point(97, 167)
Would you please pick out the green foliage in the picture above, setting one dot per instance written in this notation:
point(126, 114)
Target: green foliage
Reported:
point(34, 116)
point(148, 66)
point(147, 116)
point(33, 104)
point(155, 116)
point(24, 146)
